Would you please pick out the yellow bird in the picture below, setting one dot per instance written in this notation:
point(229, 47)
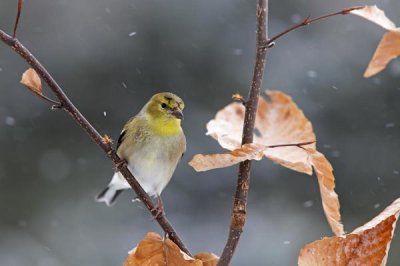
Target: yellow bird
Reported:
point(152, 143)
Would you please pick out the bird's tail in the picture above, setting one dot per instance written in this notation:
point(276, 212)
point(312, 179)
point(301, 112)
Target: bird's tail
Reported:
point(108, 195)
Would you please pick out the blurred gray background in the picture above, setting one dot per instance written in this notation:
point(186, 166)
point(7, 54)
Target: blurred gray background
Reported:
point(111, 56)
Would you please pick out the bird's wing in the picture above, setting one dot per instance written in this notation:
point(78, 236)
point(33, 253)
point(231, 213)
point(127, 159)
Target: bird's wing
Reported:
point(131, 136)
point(183, 144)
point(131, 122)
point(121, 137)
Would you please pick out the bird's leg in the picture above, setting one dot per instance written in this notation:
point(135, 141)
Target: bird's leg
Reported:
point(122, 163)
point(158, 210)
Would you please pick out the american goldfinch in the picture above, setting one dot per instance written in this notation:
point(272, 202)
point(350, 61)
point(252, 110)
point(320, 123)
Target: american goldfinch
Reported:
point(152, 143)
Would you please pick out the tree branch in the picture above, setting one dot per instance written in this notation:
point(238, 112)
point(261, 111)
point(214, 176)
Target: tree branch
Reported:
point(68, 106)
point(238, 217)
point(307, 21)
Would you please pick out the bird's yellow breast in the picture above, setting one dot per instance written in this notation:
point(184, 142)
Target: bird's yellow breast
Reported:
point(166, 127)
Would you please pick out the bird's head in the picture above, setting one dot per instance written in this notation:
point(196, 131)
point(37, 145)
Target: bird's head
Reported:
point(165, 106)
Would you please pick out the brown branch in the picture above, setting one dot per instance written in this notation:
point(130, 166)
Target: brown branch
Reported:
point(238, 217)
point(307, 21)
point(68, 106)
point(19, 10)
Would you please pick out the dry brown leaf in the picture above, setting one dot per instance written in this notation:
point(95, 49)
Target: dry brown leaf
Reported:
point(202, 162)
point(367, 245)
point(326, 180)
point(278, 122)
point(153, 250)
point(376, 15)
point(389, 47)
point(32, 80)
point(387, 50)
point(208, 259)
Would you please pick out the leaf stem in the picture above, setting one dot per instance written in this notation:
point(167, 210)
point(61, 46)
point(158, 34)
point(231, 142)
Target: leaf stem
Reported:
point(292, 144)
point(56, 105)
point(307, 21)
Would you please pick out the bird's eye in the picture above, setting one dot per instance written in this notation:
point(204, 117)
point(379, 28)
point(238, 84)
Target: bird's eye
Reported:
point(164, 105)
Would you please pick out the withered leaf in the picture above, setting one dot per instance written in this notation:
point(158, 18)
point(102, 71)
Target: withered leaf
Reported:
point(367, 245)
point(202, 162)
point(376, 15)
point(387, 50)
point(32, 80)
point(326, 182)
point(389, 47)
point(278, 122)
point(153, 250)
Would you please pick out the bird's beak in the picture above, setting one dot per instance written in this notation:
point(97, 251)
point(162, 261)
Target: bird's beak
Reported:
point(177, 113)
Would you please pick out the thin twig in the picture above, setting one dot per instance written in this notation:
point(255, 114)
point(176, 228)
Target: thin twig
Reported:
point(68, 106)
point(19, 10)
point(56, 105)
point(238, 218)
point(307, 21)
point(292, 144)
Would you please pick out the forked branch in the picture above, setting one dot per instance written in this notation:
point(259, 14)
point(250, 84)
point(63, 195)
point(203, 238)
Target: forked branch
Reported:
point(238, 217)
